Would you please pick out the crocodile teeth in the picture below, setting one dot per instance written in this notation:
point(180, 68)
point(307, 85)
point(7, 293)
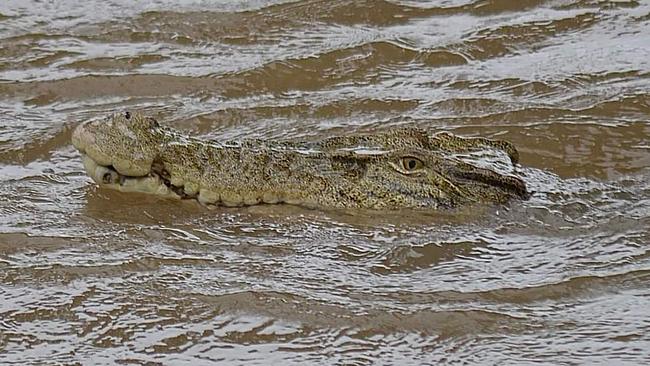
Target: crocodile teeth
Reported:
point(100, 174)
point(270, 197)
point(207, 196)
point(159, 182)
point(108, 177)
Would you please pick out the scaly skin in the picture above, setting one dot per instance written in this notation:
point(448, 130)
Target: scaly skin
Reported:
point(403, 168)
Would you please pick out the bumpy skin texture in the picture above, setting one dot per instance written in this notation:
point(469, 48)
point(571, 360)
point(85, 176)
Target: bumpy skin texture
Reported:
point(402, 168)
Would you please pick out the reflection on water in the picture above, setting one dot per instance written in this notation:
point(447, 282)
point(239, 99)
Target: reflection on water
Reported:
point(88, 274)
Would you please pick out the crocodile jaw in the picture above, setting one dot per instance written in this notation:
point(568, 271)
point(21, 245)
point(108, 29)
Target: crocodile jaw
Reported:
point(107, 176)
point(113, 172)
point(155, 183)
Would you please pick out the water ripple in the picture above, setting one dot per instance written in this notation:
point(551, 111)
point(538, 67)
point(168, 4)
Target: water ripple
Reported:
point(562, 278)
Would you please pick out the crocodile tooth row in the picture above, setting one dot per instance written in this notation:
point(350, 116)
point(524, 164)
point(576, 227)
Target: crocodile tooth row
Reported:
point(153, 183)
point(108, 177)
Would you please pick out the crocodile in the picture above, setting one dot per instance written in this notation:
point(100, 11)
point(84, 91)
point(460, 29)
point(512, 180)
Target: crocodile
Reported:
point(393, 169)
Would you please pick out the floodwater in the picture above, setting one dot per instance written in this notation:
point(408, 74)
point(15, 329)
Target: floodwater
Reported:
point(90, 276)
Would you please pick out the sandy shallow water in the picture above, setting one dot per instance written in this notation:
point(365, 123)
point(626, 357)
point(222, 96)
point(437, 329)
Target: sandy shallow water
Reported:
point(95, 277)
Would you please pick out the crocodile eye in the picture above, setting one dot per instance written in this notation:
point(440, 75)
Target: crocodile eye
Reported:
point(127, 115)
point(411, 164)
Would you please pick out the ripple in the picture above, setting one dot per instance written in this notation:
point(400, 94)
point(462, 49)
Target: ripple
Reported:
point(561, 278)
point(409, 258)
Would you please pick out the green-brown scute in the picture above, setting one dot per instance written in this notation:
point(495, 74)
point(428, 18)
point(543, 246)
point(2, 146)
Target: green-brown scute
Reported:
point(388, 170)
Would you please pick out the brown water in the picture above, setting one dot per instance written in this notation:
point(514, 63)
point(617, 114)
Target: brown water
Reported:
point(91, 276)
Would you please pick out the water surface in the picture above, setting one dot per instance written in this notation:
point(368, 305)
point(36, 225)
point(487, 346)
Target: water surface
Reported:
point(89, 276)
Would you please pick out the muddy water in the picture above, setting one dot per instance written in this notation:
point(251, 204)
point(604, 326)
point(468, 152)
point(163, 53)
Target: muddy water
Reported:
point(89, 276)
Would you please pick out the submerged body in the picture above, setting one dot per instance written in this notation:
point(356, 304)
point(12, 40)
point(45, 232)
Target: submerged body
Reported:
point(402, 168)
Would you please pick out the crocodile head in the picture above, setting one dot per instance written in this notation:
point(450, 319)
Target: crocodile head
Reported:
point(118, 152)
point(388, 170)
